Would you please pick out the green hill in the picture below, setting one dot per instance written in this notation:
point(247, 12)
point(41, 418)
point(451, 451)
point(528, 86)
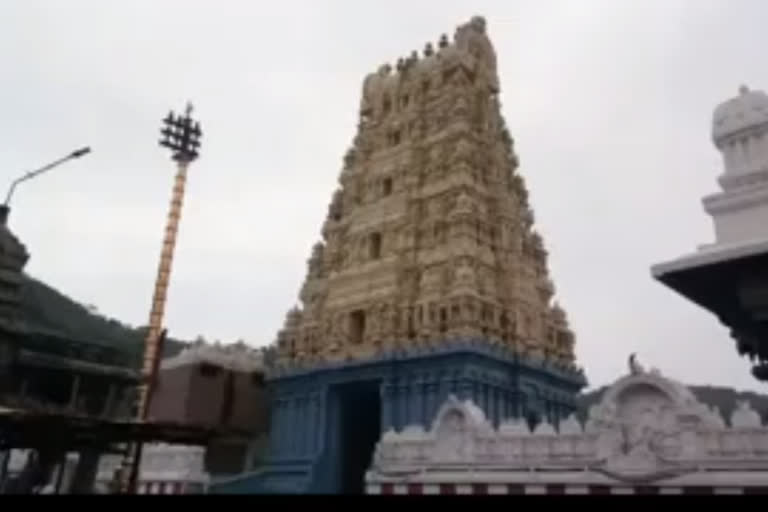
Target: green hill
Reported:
point(45, 308)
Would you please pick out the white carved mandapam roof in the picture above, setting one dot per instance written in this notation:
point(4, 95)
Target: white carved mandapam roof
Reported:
point(646, 428)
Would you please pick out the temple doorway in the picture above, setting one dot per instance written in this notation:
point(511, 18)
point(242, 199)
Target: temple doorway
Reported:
point(359, 431)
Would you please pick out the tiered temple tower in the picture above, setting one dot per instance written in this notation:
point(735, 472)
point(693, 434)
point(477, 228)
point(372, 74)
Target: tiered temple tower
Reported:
point(429, 236)
point(430, 278)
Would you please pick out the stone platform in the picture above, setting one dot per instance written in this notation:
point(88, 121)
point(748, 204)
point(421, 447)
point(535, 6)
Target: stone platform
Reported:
point(323, 416)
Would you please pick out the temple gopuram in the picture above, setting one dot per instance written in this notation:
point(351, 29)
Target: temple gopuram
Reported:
point(430, 280)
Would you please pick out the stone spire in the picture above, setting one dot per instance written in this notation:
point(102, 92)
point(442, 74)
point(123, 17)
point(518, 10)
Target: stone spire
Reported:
point(429, 236)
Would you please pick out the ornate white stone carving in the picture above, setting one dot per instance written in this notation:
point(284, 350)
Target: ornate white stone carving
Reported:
point(544, 429)
point(747, 111)
point(236, 356)
point(740, 133)
point(740, 210)
point(647, 428)
point(571, 426)
point(744, 416)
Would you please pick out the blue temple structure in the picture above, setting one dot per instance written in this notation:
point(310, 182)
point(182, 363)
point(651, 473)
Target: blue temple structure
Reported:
point(430, 280)
point(326, 420)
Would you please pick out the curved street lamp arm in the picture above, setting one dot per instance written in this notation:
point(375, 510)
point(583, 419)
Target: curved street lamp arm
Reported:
point(75, 154)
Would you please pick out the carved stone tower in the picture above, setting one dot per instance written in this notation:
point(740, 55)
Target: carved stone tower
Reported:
point(429, 236)
point(429, 280)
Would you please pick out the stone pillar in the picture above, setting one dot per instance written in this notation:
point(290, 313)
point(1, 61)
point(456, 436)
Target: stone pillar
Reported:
point(465, 390)
point(387, 420)
point(432, 390)
point(498, 409)
point(315, 443)
point(288, 425)
point(401, 402)
point(308, 417)
point(302, 417)
point(448, 385)
point(322, 421)
point(490, 401)
point(292, 423)
point(277, 425)
point(484, 398)
point(474, 392)
point(416, 402)
point(396, 400)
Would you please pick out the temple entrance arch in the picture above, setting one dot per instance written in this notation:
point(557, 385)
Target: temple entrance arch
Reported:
point(358, 417)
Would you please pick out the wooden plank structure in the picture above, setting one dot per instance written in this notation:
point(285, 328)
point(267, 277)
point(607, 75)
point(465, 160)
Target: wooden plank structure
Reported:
point(23, 429)
point(90, 437)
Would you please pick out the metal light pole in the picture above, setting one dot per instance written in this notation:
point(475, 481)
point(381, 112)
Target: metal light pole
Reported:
point(5, 207)
point(182, 136)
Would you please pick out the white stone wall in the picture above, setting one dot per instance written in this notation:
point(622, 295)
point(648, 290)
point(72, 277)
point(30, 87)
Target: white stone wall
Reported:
point(647, 431)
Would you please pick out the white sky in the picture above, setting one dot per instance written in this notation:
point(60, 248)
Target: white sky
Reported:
point(609, 102)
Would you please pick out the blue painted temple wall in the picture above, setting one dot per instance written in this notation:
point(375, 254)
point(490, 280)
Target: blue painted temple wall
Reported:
point(305, 432)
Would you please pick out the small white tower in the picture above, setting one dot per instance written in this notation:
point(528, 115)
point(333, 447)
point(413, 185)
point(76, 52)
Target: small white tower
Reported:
point(729, 278)
point(740, 133)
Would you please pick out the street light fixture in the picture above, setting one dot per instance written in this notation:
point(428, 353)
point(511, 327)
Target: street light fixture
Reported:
point(75, 154)
point(181, 135)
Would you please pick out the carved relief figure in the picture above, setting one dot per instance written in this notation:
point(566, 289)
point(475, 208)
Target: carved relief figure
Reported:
point(452, 439)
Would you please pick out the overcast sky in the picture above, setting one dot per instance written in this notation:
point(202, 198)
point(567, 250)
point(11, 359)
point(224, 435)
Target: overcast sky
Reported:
point(609, 102)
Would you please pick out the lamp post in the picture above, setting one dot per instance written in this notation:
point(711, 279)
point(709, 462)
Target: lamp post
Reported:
point(5, 207)
point(181, 135)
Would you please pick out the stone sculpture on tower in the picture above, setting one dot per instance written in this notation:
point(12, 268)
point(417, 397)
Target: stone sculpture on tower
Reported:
point(430, 278)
